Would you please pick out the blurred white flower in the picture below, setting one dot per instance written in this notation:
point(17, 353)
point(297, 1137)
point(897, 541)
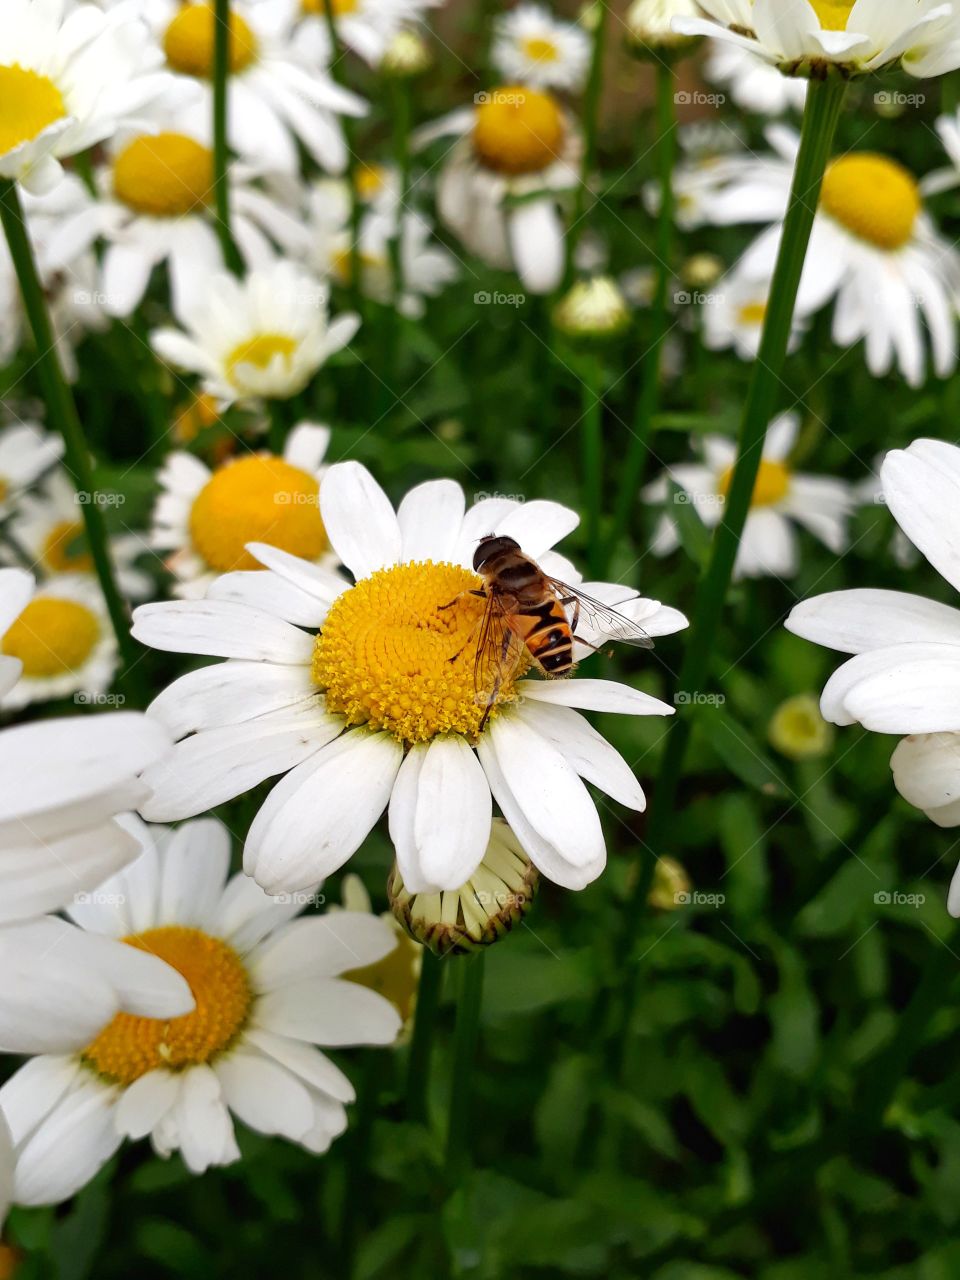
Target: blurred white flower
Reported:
point(752, 82)
point(368, 27)
point(531, 46)
point(26, 452)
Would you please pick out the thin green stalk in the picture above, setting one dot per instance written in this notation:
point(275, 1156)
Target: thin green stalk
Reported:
point(822, 113)
point(424, 1027)
point(356, 210)
point(221, 186)
point(591, 428)
point(402, 117)
point(591, 121)
point(466, 1038)
point(648, 400)
point(62, 411)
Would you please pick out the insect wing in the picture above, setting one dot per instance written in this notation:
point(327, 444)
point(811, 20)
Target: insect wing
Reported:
point(498, 652)
point(607, 622)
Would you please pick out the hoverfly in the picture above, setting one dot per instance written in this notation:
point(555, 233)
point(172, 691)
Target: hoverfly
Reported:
point(527, 609)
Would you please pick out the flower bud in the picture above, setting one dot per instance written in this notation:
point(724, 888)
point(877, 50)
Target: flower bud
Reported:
point(593, 309)
point(650, 27)
point(495, 898)
point(671, 885)
point(798, 730)
point(407, 55)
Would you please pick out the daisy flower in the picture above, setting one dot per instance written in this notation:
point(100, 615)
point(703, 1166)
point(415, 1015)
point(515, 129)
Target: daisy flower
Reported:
point(64, 643)
point(278, 96)
point(26, 452)
point(381, 706)
point(800, 36)
point(367, 27)
point(262, 337)
point(650, 25)
point(427, 267)
point(753, 84)
point(205, 518)
point(69, 74)
point(905, 672)
point(781, 499)
point(268, 988)
point(48, 527)
point(531, 46)
point(734, 311)
point(153, 206)
point(66, 783)
point(519, 150)
point(874, 249)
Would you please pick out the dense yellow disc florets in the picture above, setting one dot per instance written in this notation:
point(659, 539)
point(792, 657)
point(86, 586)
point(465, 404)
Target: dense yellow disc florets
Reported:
point(260, 498)
point(31, 103)
point(52, 636)
point(518, 130)
point(129, 1047)
point(833, 14)
point(64, 549)
point(164, 174)
point(771, 487)
point(873, 197)
point(391, 656)
point(188, 41)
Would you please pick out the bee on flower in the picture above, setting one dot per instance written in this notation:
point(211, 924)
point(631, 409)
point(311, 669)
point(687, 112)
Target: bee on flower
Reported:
point(383, 692)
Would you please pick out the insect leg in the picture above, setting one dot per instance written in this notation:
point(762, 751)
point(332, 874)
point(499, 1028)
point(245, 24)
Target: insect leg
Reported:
point(457, 598)
point(504, 651)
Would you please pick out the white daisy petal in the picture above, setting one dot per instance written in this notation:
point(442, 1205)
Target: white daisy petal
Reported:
point(219, 629)
point(359, 520)
point(329, 1011)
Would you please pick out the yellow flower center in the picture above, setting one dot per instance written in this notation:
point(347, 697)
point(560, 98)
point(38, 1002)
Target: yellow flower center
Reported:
point(833, 14)
point(537, 49)
point(260, 350)
point(395, 976)
point(259, 498)
point(874, 198)
point(772, 483)
point(518, 130)
point(188, 41)
point(164, 175)
point(391, 656)
point(752, 313)
point(64, 549)
point(128, 1047)
point(31, 103)
point(52, 636)
point(340, 7)
point(369, 180)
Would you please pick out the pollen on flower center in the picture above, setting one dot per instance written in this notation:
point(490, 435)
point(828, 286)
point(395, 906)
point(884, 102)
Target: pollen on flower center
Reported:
point(260, 498)
point(772, 483)
point(188, 41)
point(538, 49)
point(164, 175)
point(752, 313)
point(833, 14)
point(31, 103)
point(873, 197)
point(518, 130)
point(129, 1047)
point(392, 657)
point(64, 549)
point(52, 636)
point(261, 350)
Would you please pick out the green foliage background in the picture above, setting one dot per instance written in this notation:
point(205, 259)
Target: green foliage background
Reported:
point(779, 1101)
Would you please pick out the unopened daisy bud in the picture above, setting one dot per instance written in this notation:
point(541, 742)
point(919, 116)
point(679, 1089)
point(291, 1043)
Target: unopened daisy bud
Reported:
point(671, 885)
point(495, 898)
point(701, 270)
point(407, 54)
point(593, 309)
point(798, 730)
point(589, 16)
point(650, 27)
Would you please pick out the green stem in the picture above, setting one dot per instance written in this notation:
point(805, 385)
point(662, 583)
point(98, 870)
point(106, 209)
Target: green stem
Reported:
point(356, 210)
point(824, 103)
point(62, 411)
point(591, 426)
point(221, 185)
point(591, 121)
point(648, 401)
point(424, 1026)
point(402, 116)
point(466, 1037)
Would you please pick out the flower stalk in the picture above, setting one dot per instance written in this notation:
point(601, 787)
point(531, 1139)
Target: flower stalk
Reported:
point(356, 212)
point(62, 411)
point(591, 428)
point(221, 186)
point(591, 122)
point(424, 1027)
point(648, 399)
point(466, 1038)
